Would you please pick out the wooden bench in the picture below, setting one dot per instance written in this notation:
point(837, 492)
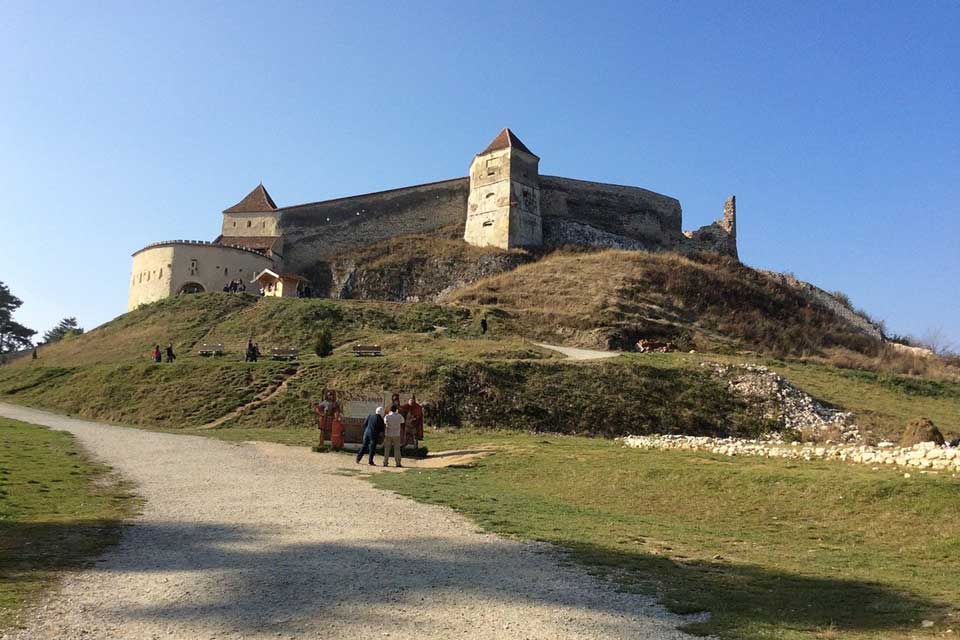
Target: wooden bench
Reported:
point(367, 350)
point(210, 350)
point(284, 353)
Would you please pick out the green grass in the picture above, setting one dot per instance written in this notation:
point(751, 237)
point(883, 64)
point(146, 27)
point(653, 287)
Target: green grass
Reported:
point(189, 393)
point(771, 548)
point(883, 403)
point(57, 510)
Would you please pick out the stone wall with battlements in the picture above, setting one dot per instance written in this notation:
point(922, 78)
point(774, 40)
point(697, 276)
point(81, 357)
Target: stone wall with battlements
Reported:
point(163, 269)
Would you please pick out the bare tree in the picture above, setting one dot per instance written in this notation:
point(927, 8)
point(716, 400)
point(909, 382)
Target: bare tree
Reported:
point(937, 340)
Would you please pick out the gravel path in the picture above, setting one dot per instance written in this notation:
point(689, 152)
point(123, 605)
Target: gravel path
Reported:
point(267, 541)
point(580, 354)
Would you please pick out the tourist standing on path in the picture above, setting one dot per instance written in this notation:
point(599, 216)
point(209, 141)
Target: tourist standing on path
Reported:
point(394, 425)
point(250, 352)
point(170, 356)
point(483, 326)
point(373, 428)
point(156, 354)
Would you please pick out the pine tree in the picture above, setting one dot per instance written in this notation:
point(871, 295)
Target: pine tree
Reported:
point(66, 327)
point(13, 335)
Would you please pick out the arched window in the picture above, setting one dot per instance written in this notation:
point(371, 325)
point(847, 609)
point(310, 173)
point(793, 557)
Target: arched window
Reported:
point(249, 223)
point(225, 271)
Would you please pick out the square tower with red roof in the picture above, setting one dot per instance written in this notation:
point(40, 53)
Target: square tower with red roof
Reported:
point(503, 207)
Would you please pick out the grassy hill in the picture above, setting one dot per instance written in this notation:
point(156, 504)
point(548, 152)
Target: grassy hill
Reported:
point(612, 298)
point(715, 306)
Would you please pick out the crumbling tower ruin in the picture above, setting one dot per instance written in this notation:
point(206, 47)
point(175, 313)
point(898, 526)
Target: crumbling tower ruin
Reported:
point(503, 207)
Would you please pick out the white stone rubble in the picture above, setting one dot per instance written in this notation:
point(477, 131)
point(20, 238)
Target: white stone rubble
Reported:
point(926, 455)
point(794, 410)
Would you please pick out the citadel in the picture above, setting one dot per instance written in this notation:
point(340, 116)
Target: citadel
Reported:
point(503, 204)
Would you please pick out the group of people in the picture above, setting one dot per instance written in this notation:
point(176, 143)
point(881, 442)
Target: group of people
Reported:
point(390, 428)
point(253, 352)
point(235, 286)
point(157, 355)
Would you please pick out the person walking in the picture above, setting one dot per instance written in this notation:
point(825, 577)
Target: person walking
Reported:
point(373, 428)
point(391, 438)
point(170, 356)
point(483, 326)
point(249, 356)
point(156, 354)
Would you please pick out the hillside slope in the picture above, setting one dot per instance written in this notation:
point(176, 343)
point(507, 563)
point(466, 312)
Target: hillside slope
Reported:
point(613, 298)
point(418, 268)
point(717, 307)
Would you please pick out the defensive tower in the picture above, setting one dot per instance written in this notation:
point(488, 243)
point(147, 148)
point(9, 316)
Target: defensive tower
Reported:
point(503, 207)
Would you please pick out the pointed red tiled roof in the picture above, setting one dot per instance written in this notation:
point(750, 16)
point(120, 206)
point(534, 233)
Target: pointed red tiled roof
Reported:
point(506, 139)
point(256, 201)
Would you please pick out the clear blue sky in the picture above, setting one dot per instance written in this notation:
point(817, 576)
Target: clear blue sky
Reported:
point(837, 125)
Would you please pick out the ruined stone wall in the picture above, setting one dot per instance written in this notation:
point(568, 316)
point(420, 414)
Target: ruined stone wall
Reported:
point(823, 298)
point(717, 237)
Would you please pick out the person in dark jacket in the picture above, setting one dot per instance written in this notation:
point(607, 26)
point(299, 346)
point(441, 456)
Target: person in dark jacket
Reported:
point(170, 355)
point(373, 427)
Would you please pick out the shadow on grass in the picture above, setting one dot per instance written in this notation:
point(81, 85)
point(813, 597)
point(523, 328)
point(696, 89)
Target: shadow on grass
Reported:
point(746, 599)
point(32, 547)
point(264, 584)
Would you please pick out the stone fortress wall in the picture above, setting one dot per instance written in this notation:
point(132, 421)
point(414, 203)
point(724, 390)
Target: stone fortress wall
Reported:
point(165, 269)
point(310, 239)
point(573, 212)
point(321, 232)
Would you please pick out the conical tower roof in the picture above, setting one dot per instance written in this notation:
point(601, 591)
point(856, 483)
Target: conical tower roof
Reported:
point(506, 139)
point(256, 201)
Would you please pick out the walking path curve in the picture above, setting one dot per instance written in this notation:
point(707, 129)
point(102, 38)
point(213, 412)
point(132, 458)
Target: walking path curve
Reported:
point(580, 354)
point(266, 541)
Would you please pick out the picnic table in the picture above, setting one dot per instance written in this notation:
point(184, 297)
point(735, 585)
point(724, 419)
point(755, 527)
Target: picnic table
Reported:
point(367, 350)
point(210, 349)
point(284, 353)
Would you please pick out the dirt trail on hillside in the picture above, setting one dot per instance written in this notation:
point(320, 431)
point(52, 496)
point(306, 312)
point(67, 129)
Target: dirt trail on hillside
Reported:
point(580, 354)
point(266, 396)
point(253, 541)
